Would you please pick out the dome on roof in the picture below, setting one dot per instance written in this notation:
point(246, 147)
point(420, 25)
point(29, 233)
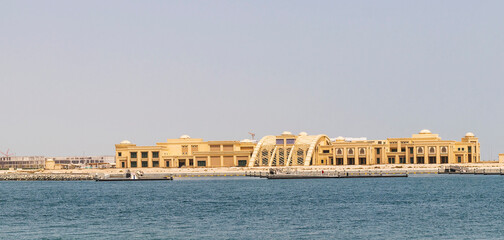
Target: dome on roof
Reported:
point(469, 134)
point(246, 140)
point(425, 131)
point(184, 136)
point(125, 142)
point(340, 138)
point(286, 133)
point(303, 134)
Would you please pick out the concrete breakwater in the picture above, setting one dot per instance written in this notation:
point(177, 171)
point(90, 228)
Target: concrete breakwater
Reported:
point(45, 177)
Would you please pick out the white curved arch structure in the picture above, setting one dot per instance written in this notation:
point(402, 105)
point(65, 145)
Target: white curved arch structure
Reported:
point(302, 150)
point(254, 158)
point(313, 144)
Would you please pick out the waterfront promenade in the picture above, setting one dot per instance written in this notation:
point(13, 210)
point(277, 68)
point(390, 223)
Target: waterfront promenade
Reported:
point(88, 174)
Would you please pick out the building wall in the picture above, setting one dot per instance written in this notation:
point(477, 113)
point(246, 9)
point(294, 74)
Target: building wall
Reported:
point(423, 148)
point(184, 152)
point(22, 162)
point(294, 150)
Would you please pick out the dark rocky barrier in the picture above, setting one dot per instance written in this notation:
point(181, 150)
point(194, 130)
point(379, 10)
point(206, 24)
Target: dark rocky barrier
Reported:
point(45, 177)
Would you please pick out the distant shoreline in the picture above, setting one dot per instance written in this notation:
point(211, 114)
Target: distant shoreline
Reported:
point(89, 174)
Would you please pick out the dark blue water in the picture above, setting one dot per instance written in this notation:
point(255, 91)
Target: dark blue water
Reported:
point(430, 206)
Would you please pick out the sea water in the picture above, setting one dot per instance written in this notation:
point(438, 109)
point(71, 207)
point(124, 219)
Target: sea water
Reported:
point(417, 207)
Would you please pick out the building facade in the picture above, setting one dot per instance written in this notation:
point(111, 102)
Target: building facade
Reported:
point(33, 162)
point(288, 149)
point(84, 161)
point(184, 152)
point(422, 148)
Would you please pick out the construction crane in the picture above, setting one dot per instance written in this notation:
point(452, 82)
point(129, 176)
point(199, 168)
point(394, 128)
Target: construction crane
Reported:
point(252, 134)
point(7, 153)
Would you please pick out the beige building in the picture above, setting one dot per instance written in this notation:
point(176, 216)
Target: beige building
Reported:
point(422, 148)
point(185, 152)
point(288, 149)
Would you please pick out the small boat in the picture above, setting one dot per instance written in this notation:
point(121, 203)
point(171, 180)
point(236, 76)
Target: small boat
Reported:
point(137, 176)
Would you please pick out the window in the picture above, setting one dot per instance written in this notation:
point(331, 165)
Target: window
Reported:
point(420, 150)
point(339, 161)
point(403, 149)
point(123, 164)
point(444, 150)
point(194, 148)
point(332, 160)
point(391, 160)
point(119, 154)
point(155, 154)
point(432, 160)
point(377, 151)
point(145, 164)
point(469, 149)
point(350, 151)
point(351, 161)
point(393, 149)
point(214, 148)
point(181, 163)
point(167, 163)
point(133, 155)
point(377, 160)
point(432, 150)
point(291, 141)
point(280, 141)
point(420, 160)
point(411, 160)
point(362, 161)
point(228, 148)
point(242, 163)
point(459, 159)
point(444, 159)
point(362, 151)
point(201, 163)
point(339, 151)
point(402, 160)
point(411, 150)
point(322, 161)
point(155, 163)
point(325, 151)
point(185, 149)
point(134, 164)
point(145, 154)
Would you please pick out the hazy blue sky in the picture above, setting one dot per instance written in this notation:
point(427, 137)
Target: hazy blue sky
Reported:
point(79, 76)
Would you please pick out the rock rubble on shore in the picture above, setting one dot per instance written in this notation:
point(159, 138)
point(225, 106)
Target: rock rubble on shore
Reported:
point(45, 177)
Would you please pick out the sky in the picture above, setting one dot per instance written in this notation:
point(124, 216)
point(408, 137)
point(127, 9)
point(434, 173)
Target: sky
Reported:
point(77, 77)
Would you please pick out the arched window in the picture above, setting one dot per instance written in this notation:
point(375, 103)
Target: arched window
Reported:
point(300, 157)
point(350, 151)
point(339, 151)
point(420, 150)
point(281, 157)
point(444, 150)
point(264, 157)
point(432, 150)
point(362, 151)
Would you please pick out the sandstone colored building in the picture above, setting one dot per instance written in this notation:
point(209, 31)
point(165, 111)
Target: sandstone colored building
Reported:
point(184, 152)
point(288, 149)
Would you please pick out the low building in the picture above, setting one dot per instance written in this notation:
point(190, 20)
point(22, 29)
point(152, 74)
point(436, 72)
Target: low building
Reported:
point(83, 161)
point(33, 162)
point(422, 148)
point(288, 149)
point(185, 152)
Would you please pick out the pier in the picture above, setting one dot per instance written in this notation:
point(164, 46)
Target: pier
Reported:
point(277, 174)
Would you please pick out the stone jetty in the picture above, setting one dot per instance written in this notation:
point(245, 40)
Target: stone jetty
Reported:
point(45, 177)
